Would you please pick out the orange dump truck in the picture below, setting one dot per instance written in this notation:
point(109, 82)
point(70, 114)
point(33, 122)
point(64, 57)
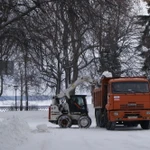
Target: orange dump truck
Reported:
point(123, 101)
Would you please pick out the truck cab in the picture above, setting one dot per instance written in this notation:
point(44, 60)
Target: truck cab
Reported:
point(124, 100)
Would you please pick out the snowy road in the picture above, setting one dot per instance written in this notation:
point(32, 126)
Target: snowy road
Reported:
point(88, 139)
point(54, 138)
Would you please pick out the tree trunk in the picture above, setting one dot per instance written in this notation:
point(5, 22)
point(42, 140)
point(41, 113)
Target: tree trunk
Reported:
point(1, 91)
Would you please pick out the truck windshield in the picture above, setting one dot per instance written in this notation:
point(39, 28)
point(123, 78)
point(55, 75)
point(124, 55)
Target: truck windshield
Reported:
point(130, 87)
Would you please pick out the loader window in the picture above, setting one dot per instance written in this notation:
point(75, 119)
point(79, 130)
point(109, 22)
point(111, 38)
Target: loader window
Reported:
point(130, 87)
point(79, 101)
point(78, 105)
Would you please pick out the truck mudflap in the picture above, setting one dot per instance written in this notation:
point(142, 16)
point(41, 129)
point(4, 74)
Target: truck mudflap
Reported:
point(135, 115)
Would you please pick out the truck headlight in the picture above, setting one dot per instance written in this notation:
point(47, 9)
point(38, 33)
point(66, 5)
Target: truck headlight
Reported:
point(116, 113)
point(148, 112)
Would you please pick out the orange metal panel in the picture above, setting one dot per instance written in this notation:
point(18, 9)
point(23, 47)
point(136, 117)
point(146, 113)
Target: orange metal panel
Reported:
point(132, 115)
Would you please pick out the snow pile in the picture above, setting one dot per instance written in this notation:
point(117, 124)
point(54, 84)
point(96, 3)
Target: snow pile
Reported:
point(107, 74)
point(13, 132)
point(42, 128)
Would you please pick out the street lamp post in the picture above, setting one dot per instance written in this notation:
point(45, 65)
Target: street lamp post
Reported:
point(16, 87)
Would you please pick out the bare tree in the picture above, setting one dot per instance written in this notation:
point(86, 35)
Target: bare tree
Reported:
point(61, 40)
point(112, 30)
point(144, 46)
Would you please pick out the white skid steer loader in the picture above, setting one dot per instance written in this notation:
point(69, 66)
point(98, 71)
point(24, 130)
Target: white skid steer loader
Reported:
point(67, 110)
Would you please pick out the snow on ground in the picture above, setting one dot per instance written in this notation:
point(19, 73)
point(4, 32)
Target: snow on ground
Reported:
point(32, 131)
point(13, 131)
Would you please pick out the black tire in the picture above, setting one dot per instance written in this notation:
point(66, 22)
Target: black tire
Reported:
point(100, 119)
point(64, 121)
point(145, 124)
point(84, 122)
point(110, 125)
point(97, 117)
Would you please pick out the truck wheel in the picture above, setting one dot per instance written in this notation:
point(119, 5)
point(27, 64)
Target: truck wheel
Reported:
point(97, 116)
point(110, 125)
point(84, 122)
point(145, 124)
point(102, 120)
point(64, 121)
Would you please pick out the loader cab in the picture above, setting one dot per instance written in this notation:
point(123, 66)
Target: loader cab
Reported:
point(78, 104)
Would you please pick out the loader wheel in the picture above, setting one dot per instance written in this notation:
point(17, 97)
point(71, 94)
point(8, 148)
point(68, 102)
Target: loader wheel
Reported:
point(84, 122)
point(64, 121)
point(145, 124)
